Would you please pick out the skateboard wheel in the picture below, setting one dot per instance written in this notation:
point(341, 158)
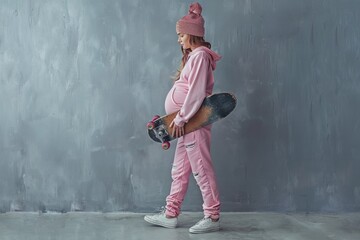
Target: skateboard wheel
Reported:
point(155, 117)
point(150, 125)
point(166, 145)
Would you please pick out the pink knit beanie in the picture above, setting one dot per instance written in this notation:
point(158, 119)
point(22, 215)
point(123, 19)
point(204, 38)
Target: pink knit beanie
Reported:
point(193, 23)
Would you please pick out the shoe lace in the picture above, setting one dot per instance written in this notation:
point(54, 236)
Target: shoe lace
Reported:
point(161, 210)
point(202, 221)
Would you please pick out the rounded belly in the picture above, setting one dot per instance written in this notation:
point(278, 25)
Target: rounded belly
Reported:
point(174, 100)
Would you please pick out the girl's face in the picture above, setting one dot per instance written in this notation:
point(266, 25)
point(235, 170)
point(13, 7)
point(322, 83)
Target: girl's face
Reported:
point(184, 40)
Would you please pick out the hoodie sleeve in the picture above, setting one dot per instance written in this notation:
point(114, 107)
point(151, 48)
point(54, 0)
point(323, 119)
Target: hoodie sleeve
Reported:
point(197, 79)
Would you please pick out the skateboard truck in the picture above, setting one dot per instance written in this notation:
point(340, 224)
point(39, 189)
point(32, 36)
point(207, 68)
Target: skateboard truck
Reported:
point(160, 132)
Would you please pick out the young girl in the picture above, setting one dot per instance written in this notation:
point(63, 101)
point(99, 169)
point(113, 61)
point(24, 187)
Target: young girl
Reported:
point(194, 82)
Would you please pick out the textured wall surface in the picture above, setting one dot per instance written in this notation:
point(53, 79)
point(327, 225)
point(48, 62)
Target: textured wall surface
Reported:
point(79, 79)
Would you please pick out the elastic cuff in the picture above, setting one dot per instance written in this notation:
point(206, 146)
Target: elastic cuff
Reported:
point(170, 214)
point(178, 122)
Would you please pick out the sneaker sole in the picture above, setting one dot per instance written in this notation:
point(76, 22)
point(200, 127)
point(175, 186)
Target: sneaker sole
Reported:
point(215, 229)
point(158, 223)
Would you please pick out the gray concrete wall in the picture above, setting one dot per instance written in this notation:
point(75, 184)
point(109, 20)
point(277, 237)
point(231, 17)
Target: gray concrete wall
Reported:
point(80, 79)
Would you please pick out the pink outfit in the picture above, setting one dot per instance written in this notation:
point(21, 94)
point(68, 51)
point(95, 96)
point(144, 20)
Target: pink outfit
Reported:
point(193, 149)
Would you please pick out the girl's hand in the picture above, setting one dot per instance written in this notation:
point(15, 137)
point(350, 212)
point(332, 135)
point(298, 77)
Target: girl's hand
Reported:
point(177, 131)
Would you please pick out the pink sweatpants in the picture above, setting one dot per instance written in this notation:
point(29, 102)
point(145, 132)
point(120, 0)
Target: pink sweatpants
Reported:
point(192, 155)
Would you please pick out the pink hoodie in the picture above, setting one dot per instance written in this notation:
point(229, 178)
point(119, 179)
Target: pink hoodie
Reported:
point(196, 82)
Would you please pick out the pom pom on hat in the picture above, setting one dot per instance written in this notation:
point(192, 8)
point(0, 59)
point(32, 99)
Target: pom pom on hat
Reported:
point(195, 8)
point(193, 22)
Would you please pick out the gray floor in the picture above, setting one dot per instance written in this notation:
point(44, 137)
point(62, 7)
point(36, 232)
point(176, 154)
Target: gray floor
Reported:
point(102, 226)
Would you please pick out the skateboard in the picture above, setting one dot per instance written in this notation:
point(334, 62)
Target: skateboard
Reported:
point(213, 108)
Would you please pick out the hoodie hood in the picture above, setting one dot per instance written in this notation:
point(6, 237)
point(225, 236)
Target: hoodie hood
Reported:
point(214, 57)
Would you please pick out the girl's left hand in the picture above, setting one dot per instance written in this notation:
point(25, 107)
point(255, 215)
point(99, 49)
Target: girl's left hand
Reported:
point(177, 131)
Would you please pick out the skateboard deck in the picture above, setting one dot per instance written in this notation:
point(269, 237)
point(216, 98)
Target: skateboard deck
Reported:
point(213, 108)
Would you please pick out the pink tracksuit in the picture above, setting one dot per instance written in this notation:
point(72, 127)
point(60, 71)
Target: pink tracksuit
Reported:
point(192, 154)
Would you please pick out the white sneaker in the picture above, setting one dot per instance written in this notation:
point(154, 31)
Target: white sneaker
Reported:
point(160, 219)
point(205, 225)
